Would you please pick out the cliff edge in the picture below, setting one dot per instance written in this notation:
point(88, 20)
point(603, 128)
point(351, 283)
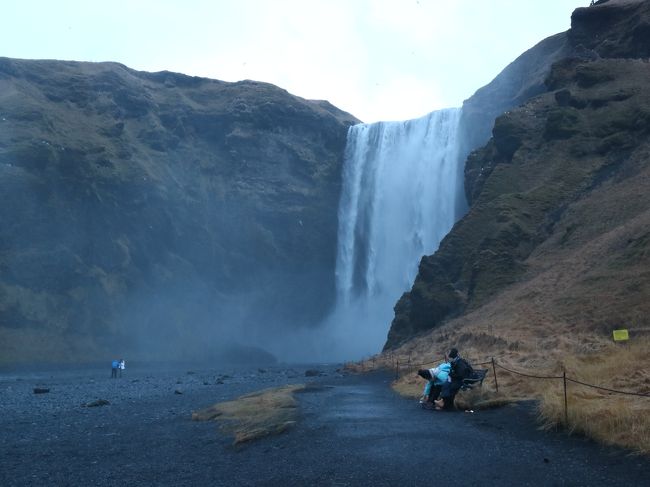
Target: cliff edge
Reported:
point(560, 191)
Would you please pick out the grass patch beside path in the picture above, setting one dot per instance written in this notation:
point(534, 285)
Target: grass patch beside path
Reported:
point(613, 419)
point(610, 418)
point(478, 398)
point(255, 415)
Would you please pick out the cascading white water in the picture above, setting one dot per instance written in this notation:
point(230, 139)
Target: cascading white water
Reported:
point(400, 187)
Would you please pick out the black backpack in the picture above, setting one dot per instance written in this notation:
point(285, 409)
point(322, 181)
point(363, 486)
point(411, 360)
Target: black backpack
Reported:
point(461, 370)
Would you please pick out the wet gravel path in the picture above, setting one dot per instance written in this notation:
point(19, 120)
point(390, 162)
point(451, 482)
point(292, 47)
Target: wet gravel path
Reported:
point(354, 431)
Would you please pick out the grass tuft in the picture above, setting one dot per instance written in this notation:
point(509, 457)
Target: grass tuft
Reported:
point(255, 415)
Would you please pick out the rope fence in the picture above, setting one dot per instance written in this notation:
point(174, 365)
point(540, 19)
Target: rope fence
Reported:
point(628, 393)
point(410, 367)
point(528, 375)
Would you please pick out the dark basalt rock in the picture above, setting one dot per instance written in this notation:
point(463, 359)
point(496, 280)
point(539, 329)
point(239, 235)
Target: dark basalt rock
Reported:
point(97, 403)
point(613, 29)
point(523, 79)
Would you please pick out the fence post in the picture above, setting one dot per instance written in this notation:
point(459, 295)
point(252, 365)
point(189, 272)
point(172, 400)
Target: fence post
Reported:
point(397, 370)
point(566, 404)
point(494, 371)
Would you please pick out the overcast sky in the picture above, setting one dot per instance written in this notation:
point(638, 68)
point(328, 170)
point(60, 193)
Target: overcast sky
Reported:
point(377, 59)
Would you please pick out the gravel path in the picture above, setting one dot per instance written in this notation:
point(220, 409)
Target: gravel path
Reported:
point(354, 431)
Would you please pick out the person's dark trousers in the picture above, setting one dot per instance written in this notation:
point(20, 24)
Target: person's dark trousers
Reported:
point(448, 393)
point(434, 393)
point(113, 373)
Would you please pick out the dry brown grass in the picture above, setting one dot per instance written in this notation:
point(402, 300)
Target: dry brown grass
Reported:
point(255, 415)
point(484, 397)
point(609, 418)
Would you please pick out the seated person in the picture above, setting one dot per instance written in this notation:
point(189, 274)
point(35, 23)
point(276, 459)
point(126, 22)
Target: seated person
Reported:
point(460, 370)
point(435, 377)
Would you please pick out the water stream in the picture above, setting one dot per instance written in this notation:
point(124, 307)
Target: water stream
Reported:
point(401, 182)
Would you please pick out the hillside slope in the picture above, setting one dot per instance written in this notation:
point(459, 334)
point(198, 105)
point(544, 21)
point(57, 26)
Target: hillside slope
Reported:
point(556, 235)
point(147, 213)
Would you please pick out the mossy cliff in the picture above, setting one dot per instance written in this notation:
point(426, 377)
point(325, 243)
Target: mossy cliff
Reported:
point(154, 212)
point(564, 176)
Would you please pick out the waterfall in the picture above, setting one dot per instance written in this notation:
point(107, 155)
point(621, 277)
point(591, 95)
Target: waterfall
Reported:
point(398, 200)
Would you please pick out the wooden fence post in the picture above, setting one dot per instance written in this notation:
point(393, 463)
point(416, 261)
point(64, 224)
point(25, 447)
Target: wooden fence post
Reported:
point(494, 371)
point(566, 403)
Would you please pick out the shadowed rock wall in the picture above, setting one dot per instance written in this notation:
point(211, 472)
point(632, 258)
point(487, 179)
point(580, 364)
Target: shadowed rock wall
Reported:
point(160, 213)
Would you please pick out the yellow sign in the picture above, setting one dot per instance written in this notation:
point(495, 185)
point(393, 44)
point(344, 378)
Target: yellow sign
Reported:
point(621, 335)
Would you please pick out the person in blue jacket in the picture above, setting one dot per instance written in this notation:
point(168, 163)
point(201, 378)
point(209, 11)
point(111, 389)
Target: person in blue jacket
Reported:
point(436, 378)
point(115, 365)
point(460, 370)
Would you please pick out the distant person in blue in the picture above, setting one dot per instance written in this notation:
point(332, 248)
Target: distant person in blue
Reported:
point(115, 364)
point(436, 378)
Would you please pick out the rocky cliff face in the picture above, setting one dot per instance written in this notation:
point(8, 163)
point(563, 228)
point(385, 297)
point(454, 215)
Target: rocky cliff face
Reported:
point(564, 178)
point(155, 211)
point(518, 82)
